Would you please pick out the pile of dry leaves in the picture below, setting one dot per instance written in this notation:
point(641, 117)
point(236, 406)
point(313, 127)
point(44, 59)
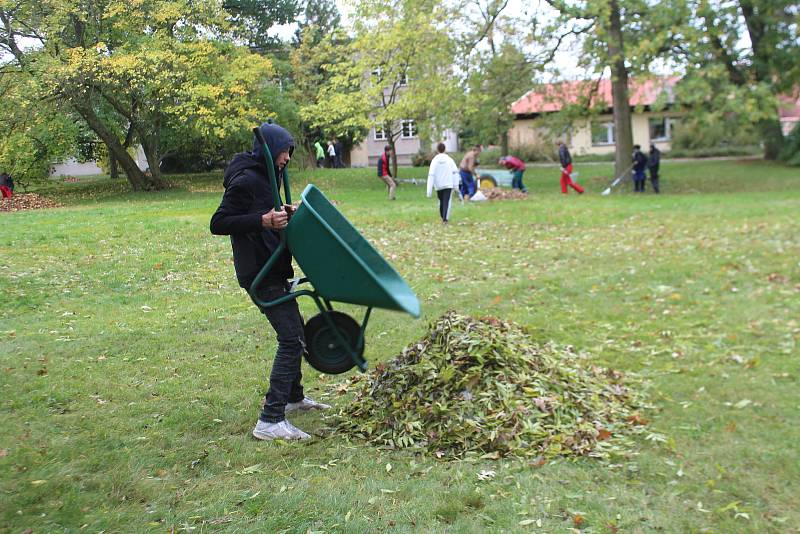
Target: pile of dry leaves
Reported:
point(484, 387)
point(496, 193)
point(27, 201)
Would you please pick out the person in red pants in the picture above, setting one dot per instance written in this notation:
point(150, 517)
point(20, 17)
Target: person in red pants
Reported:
point(566, 169)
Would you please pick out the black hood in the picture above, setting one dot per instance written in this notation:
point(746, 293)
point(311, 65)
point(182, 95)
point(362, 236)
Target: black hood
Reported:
point(241, 162)
point(277, 138)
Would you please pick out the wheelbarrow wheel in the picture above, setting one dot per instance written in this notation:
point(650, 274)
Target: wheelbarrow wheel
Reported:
point(487, 181)
point(323, 350)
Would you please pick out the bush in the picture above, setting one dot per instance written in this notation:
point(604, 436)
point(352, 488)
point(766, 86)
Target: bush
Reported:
point(422, 159)
point(790, 153)
point(540, 151)
point(712, 132)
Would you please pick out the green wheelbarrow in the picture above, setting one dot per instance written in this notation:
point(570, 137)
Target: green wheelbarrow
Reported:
point(341, 266)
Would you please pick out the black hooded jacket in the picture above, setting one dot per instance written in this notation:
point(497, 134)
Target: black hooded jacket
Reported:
point(248, 196)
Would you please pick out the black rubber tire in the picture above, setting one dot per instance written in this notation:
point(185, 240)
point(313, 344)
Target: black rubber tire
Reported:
point(323, 351)
point(485, 179)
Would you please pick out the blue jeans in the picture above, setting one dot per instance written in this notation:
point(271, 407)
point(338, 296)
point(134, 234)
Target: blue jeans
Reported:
point(467, 186)
point(638, 181)
point(285, 379)
point(516, 181)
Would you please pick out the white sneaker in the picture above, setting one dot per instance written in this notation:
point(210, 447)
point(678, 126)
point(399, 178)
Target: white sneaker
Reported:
point(306, 404)
point(282, 430)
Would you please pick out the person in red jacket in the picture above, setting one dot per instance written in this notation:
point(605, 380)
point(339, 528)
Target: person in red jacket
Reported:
point(517, 168)
point(566, 169)
point(384, 172)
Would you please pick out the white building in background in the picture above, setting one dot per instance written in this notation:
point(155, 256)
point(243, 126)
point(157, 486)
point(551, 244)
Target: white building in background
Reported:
point(72, 167)
point(366, 153)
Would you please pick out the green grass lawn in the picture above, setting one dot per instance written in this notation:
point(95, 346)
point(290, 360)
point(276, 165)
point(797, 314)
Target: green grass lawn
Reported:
point(133, 365)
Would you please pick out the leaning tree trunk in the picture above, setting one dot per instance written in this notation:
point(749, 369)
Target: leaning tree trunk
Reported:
point(619, 94)
point(138, 180)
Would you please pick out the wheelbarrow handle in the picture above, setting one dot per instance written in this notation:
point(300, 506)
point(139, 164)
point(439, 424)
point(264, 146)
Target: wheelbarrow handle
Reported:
point(270, 169)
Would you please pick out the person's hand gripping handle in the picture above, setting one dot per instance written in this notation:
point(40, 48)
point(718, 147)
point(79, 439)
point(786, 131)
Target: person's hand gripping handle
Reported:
point(277, 218)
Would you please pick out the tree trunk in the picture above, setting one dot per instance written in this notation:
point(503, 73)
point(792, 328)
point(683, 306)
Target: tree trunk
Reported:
point(393, 158)
point(113, 166)
point(150, 149)
point(619, 92)
point(504, 143)
point(137, 179)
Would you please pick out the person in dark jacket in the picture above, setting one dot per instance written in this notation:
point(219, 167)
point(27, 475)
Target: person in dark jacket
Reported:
point(639, 165)
point(653, 163)
point(338, 146)
point(247, 215)
point(566, 169)
point(384, 171)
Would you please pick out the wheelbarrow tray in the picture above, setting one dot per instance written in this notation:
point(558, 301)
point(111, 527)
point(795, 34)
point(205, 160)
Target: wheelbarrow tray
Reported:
point(337, 260)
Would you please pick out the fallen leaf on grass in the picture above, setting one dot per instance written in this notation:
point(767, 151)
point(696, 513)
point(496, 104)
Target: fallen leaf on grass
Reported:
point(526, 522)
point(603, 434)
point(38, 482)
point(742, 404)
point(637, 419)
point(250, 470)
point(539, 461)
point(487, 474)
point(577, 520)
point(3, 453)
point(27, 201)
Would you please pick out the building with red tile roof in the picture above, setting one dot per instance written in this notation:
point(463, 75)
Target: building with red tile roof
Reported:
point(651, 99)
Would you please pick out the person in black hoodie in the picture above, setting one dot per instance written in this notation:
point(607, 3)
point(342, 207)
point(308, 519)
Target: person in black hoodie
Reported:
point(247, 215)
point(653, 162)
point(639, 165)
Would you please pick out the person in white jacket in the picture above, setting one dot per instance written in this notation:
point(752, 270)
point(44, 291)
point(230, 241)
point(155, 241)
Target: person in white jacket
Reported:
point(443, 176)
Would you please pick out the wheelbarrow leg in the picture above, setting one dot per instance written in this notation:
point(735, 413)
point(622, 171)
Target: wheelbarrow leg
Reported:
point(360, 341)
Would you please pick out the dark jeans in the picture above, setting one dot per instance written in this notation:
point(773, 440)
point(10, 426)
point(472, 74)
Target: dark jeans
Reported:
point(285, 378)
point(516, 181)
point(638, 181)
point(444, 203)
point(654, 178)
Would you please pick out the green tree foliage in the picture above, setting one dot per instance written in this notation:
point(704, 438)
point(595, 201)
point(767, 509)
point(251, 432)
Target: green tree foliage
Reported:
point(400, 67)
point(251, 20)
point(740, 56)
point(624, 36)
point(153, 72)
point(34, 134)
point(497, 80)
point(320, 17)
point(319, 42)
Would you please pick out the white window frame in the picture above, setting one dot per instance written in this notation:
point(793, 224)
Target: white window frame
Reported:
point(611, 138)
point(413, 128)
point(668, 124)
point(379, 134)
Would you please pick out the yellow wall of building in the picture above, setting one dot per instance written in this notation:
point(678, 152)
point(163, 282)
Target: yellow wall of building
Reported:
point(525, 132)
